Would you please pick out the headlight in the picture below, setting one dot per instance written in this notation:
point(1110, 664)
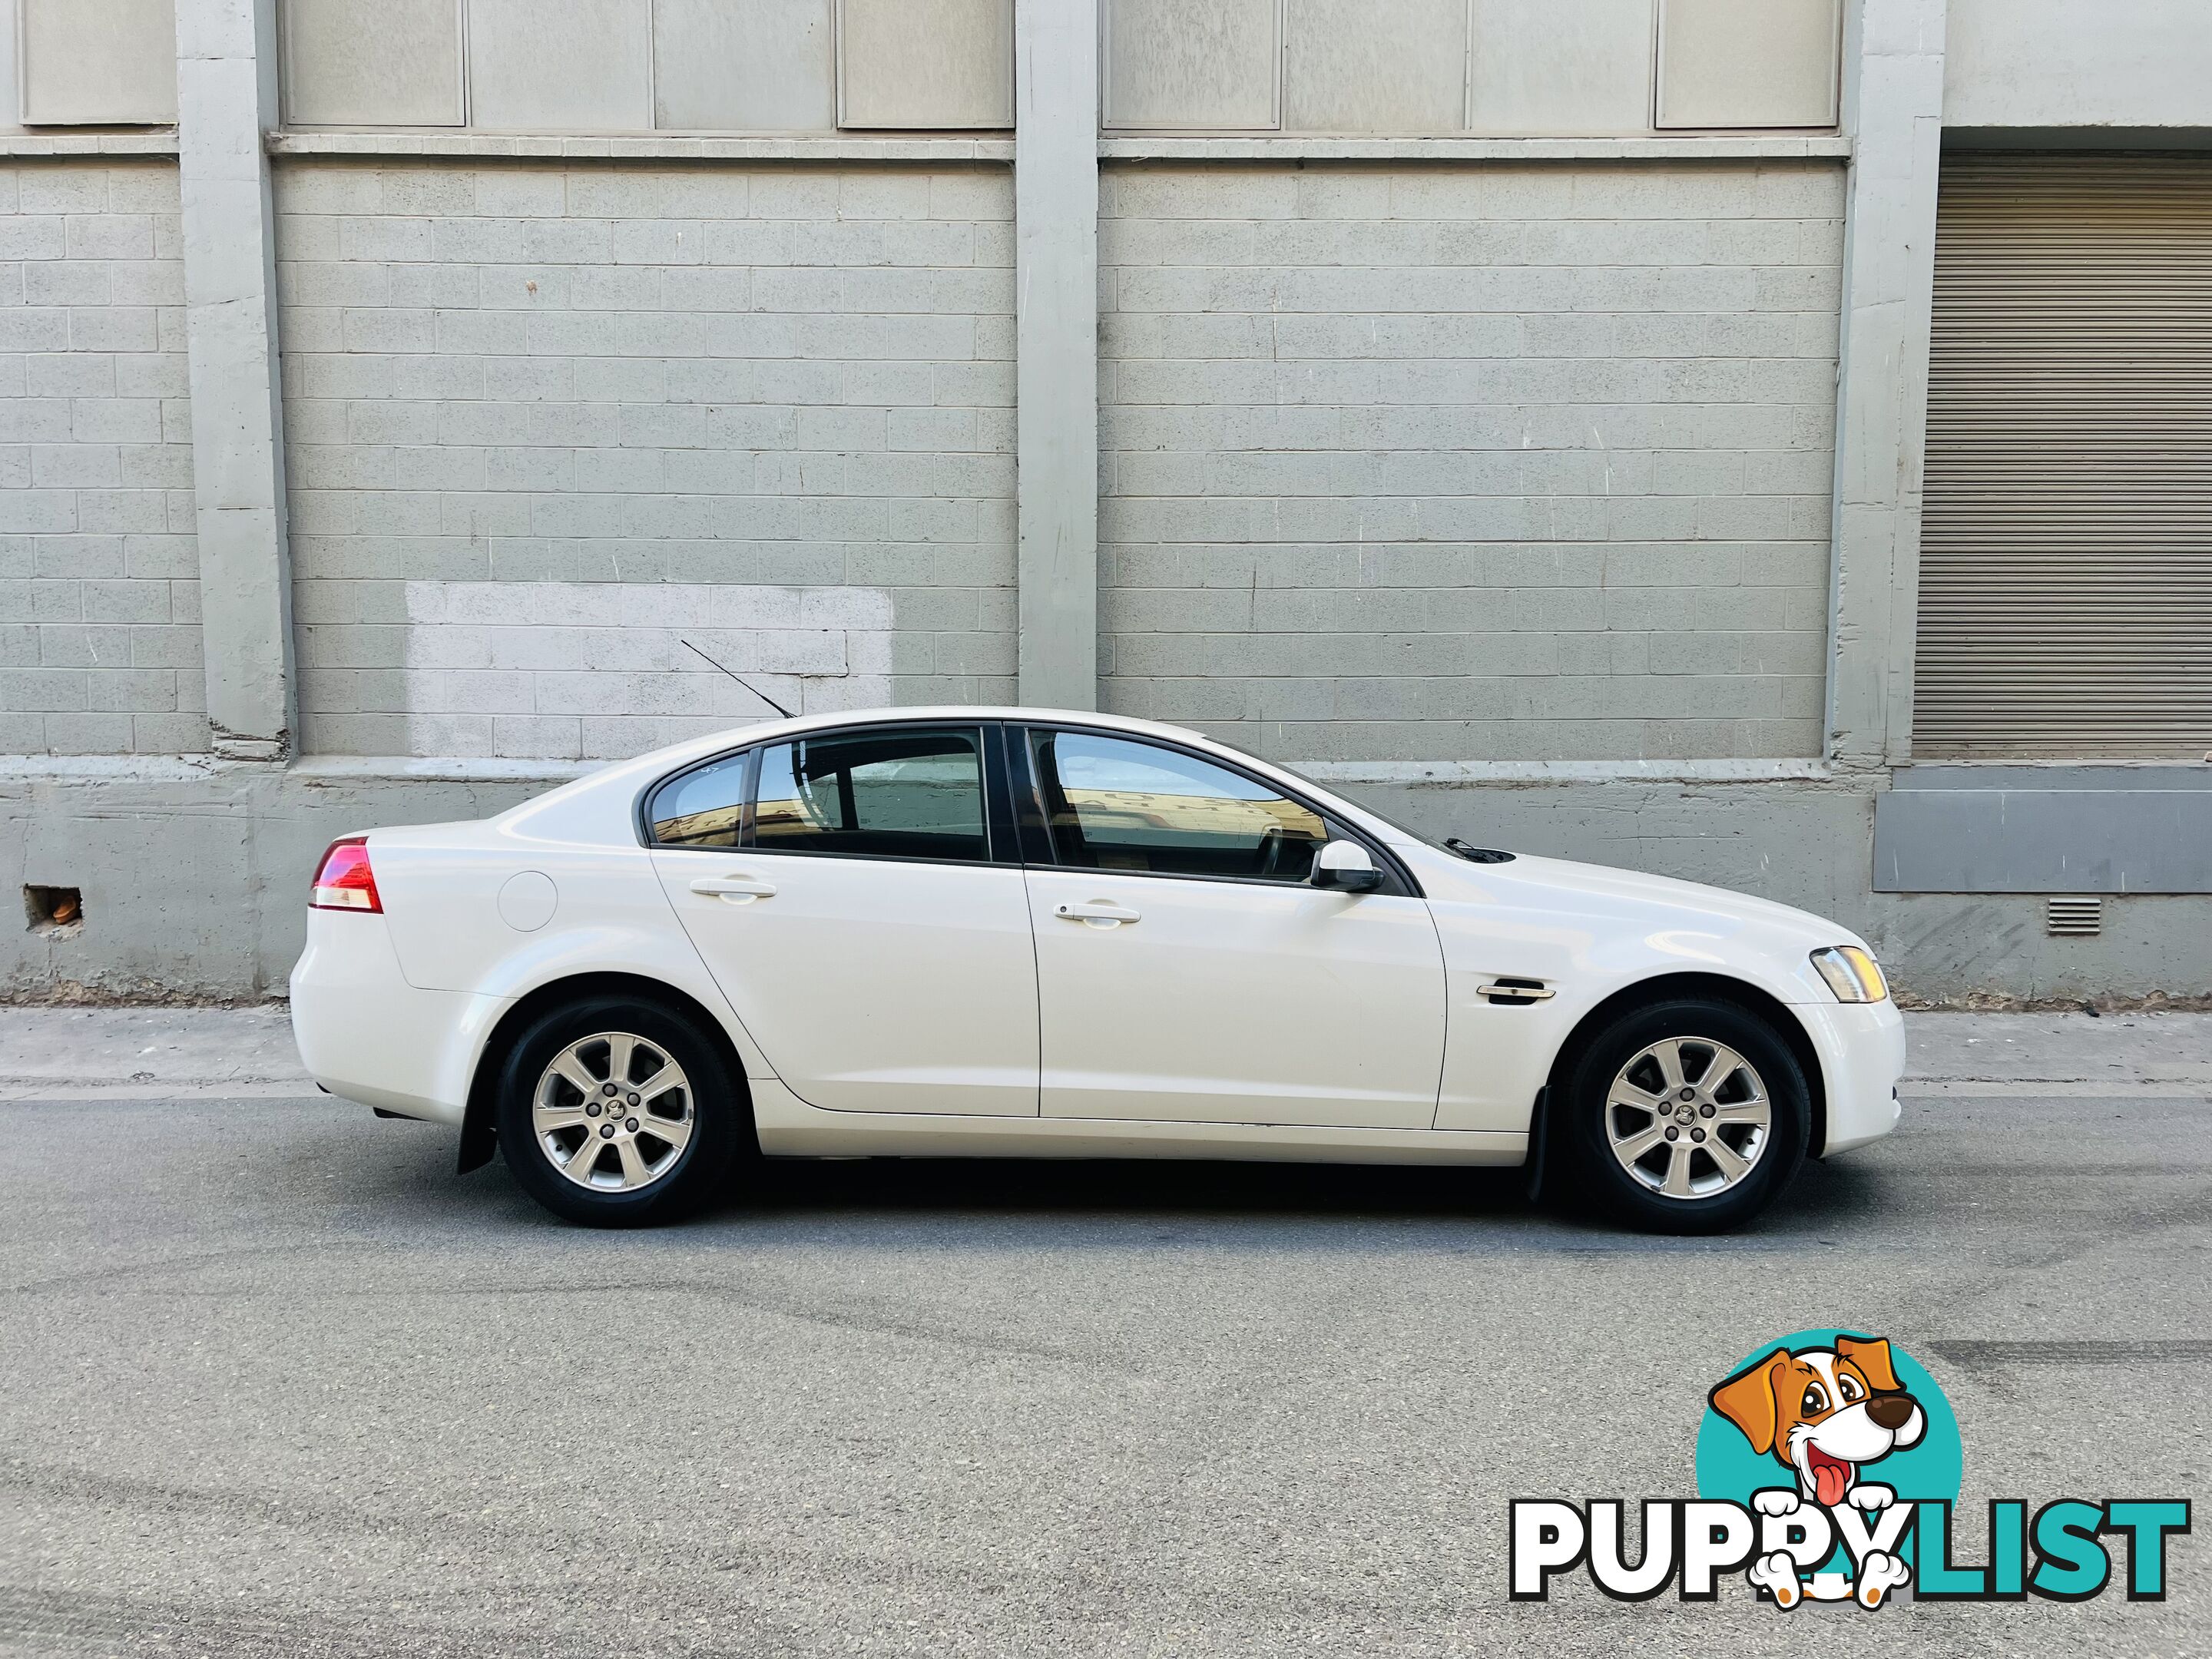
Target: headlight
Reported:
point(1852, 974)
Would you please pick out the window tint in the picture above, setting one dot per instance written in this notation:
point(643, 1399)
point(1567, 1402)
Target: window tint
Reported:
point(703, 808)
point(890, 794)
point(1114, 804)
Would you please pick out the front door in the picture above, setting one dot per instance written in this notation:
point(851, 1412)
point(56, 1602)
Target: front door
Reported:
point(1187, 972)
point(850, 907)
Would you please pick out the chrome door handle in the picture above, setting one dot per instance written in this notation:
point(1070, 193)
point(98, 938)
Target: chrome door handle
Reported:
point(1098, 912)
point(734, 890)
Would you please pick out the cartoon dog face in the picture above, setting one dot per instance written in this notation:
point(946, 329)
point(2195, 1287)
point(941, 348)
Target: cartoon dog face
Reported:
point(1823, 1413)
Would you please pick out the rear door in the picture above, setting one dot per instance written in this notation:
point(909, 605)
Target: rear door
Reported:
point(1187, 972)
point(854, 900)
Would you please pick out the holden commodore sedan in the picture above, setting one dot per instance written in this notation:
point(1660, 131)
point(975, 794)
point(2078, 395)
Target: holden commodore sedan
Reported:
point(1024, 934)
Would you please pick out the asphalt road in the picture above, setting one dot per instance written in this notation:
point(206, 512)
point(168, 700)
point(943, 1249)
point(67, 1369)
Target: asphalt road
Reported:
point(277, 1382)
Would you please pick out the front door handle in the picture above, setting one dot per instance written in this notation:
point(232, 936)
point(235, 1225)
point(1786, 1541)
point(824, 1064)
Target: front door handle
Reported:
point(734, 890)
point(1097, 914)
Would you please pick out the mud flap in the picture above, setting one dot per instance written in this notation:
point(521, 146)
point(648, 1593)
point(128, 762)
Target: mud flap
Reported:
point(479, 1140)
point(1532, 1172)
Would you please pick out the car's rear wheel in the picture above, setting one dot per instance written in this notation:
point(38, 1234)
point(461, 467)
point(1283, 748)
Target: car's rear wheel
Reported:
point(1684, 1116)
point(617, 1113)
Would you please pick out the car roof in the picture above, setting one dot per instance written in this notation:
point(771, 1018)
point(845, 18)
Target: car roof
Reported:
point(773, 731)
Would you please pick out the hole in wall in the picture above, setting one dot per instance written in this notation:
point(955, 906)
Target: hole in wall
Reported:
point(59, 911)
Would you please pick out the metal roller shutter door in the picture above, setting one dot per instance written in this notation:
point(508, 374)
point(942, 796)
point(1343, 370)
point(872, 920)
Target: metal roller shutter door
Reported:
point(2066, 543)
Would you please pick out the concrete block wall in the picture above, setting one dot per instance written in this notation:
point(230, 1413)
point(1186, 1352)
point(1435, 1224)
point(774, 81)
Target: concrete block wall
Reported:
point(1512, 462)
point(99, 639)
point(774, 382)
point(1426, 461)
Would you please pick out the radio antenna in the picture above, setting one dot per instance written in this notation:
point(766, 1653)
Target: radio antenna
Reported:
point(739, 678)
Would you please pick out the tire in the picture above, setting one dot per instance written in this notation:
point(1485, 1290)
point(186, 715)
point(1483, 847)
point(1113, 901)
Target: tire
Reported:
point(687, 1134)
point(1724, 1147)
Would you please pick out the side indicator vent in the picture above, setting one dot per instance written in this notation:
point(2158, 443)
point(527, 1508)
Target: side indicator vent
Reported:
point(1511, 991)
point(2074, 918)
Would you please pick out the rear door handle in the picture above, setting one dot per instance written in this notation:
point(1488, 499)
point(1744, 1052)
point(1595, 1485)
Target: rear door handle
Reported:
point(1099, 912)
point(734, 890)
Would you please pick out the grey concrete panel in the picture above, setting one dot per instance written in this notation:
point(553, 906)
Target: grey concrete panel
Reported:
point(1538, 67)
point(1748, 63)
point(395, 63)
point(194, 881)
point(2064, 63)
point(1893, 110)
point(227, 94)
point(925, 64)
point(2015, 838)
point(1194, 63)
point(99, 61)
point(561, 65)
point(11, 91)
point(1375, 65)
point(745, 65)
point(1056, 352)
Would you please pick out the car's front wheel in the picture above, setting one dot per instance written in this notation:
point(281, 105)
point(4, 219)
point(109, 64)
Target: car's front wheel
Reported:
point(615, 1113)
point(1686, 1116)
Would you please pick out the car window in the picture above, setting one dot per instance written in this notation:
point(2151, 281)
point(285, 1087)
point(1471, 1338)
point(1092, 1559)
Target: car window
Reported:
point(1118, 804)
point(704, 808)
point(899, 793)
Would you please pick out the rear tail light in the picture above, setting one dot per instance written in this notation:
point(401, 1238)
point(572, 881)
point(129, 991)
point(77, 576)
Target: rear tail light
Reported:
point(343, 880)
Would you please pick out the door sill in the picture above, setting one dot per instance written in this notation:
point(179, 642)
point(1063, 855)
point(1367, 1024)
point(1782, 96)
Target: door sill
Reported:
point(789, 1127)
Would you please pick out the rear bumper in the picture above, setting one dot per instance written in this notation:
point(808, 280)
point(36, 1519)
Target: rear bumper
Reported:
point(366, 1033)
point(1861, 1048)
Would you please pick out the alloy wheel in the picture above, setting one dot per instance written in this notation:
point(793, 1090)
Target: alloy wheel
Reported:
point(613, 1112)
point(1687, 1117)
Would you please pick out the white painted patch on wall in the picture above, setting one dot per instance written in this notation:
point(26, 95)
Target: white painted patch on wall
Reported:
point(596, 671)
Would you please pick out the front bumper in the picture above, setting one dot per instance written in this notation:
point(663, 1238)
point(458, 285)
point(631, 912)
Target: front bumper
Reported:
point(1861, 1048)
point(366, 1033)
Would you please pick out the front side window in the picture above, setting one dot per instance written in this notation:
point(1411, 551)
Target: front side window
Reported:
point(900, 793)
point(1118, 804)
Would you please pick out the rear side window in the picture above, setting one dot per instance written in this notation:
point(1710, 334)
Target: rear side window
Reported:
point(705, 808)
point(1118, 803)
point(902, 794)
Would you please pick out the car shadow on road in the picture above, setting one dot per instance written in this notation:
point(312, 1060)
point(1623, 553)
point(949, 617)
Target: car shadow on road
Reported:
point(849, 1193)
point(1138, 1186)
point(1222, 1190)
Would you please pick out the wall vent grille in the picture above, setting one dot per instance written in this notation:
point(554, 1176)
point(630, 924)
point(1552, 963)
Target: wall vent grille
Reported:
point(2074, 918)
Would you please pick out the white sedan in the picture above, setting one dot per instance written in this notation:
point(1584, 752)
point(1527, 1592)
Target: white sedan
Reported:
point(1021, 932)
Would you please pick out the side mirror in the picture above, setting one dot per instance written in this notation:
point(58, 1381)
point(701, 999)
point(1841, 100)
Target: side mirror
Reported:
point(1346, 866)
